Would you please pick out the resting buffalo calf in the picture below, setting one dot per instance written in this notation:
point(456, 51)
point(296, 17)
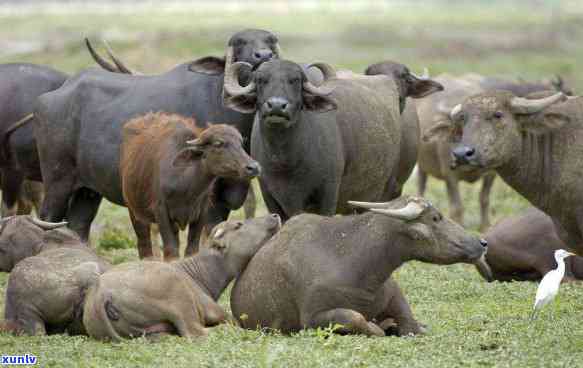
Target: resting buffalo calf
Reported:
point(45, 293)
point(521, 248)
point(535, 144)
point(146, 298)
point(168, 167)
point(314, 159)
point(79, 127)
point(25, 236)
point(320, 271)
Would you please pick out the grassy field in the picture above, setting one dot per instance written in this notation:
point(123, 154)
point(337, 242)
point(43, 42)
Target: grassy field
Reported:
point(471, 323)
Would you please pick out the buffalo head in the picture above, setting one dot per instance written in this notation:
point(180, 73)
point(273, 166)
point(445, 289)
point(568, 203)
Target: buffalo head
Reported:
point(409, 84)
point(220, 150)
point(488, 127)
point(278, 91)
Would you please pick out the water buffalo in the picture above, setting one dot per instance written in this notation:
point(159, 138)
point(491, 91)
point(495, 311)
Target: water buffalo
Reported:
point(434, 155)
point(45, 292)
point(521, 248)
point(314, 158)
point(168, 166)
point(320, 271)
point(20, 85)
point(79, 127)
point(534, 144)
point(413, 87)
point(146, 298)
point(24, 236)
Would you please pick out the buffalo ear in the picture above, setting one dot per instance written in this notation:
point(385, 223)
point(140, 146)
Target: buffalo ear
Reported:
point(441, 131)
point(418, 231)
point(245, 104)
point(419, 88)
point(187, 156)
point(317, 103)
point(210, 65)
point(543, 122)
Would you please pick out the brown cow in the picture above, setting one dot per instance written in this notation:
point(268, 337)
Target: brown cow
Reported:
point(168, 165)
point(521, 248)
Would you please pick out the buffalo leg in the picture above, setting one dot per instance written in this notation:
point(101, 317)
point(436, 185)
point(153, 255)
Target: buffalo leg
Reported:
point(456, 209)
point(82, 211)
point(250, 205)
point(273, 206)
point(398, 310)
point(56, 203)
point(143, 234)
point(328, 201)
point(487, 183)
point(194, 233)
point(11, 191)
point(421, 182)
point(351, 321)
point(169, 234)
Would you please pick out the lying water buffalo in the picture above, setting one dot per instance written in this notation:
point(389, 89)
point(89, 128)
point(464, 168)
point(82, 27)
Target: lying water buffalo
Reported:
point(24, 236)
point(534, 144)
point(145, 298)
point(413, 87)
point(79, 127)
point(434, 155)
point(320, 270)
point(313, 158)
point(20, 85)
point(168, 166)
point(45, 293)
point(521, 248)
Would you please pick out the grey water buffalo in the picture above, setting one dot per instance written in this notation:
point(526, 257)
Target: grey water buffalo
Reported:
point(535, 144)
point(152, 298)
point(20, 85)
point(320, 271)
point(521, 248)
point(410, 87)
point(319, 146)
point(25, 236)
point(45, 292)
point(434, 155)
point(168, 166)
point(79, 127)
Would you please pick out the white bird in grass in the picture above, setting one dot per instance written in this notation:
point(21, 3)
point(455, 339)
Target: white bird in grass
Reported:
point(549, 285)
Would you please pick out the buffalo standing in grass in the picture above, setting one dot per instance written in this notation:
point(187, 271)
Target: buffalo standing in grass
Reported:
point(535, 144)
point(168, 167)
point(153, 298)
point(20, 85)
point(321, 271)
point(79, 127)
point(522, 248)
point(319, 146)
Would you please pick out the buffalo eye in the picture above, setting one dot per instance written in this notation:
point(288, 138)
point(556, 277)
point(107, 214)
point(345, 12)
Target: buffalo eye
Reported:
point(271, 40)
point(498, 115)
point(294, 80)
point(239, 42)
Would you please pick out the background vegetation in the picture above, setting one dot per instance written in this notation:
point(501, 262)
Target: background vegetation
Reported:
point(471, 323)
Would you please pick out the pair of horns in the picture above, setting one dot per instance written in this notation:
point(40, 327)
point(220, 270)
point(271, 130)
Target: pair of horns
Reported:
point(411, 211)
point(520, 105)
point(45, 225)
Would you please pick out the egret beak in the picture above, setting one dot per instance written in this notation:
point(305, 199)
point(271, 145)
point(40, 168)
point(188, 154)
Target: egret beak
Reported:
point(571, 254)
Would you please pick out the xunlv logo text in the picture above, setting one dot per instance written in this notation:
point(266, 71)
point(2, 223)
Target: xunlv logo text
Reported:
point(27, 359)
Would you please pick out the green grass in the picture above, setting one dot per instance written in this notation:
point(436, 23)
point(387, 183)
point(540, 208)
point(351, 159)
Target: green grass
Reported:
point(471, 323)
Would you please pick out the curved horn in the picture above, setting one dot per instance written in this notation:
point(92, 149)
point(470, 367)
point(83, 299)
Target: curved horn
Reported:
point(521, 105)
point(484, 269)
point(98, 59)
point(328, 72)
point(410, 212)
point(456, 110)
point(232, 86)
point(194, 142)
point(369, 205)
point(47, 225)
point(277, 50)
point(120, 65)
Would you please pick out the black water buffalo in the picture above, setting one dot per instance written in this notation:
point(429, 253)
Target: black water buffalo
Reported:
point(320, 146)
point(20, 85)
point(79, 126)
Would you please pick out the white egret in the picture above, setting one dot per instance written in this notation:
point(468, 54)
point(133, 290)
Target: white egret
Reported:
point(549, 285)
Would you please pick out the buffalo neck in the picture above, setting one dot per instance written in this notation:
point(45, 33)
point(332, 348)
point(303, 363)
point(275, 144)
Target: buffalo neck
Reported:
point(285, 148)
point(208, 270)
point(386, 248)
point(531, 171)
